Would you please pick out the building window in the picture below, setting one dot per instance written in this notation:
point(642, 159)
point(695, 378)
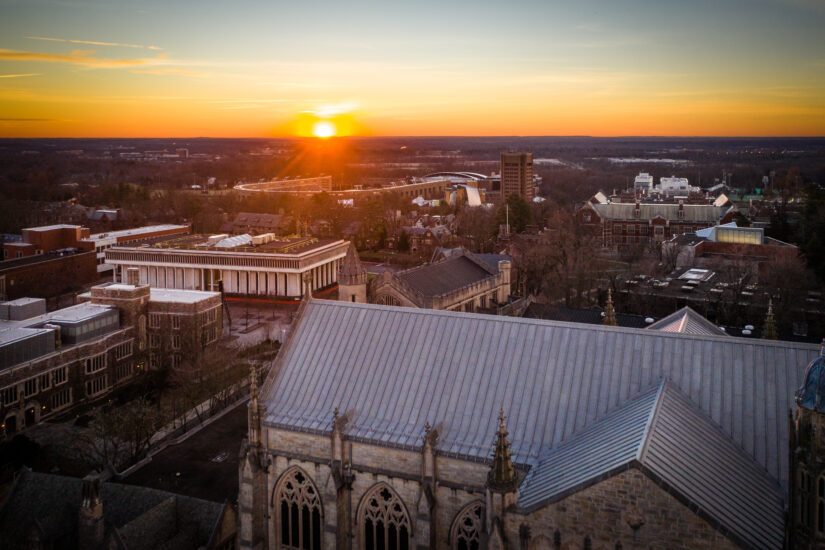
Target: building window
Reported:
point(299, 509)
point(175, 321)
point(123, 371)
point(176, 360)
point(176, 341)
point(154, 340)
point(9, 395)
point(467, 527)
point(30, 387)
point(384, 521)
point(123, 350)
point(94, 364)
point(96, 386)
point(60, 375)
point(643, 230)
point(61, 399)
point(154, 320)
point(45, 381)
point(153, 361)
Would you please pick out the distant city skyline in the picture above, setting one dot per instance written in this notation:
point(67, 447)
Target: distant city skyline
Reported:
point(91, 68)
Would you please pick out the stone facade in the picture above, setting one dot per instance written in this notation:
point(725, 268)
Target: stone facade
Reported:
point(485, 293)
point(437, 492)
point(86, 373)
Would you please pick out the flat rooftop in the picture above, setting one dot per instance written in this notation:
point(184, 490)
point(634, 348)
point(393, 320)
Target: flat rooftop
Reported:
point(10, 334)
point(136, 231)
point(23, 301)
point(51, 227)
point(56, 255)
point(200, 242)
point(177, 296)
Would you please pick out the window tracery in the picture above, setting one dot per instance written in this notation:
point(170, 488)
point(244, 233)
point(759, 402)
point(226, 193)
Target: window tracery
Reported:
point(298, 509)
point(467, 527)
point(384, 521)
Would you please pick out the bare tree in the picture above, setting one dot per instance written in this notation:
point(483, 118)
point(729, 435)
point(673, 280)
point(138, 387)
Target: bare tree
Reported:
point(118, 436)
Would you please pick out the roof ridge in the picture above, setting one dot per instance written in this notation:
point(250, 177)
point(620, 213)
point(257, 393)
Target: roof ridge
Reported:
point(651, 420)
point(565, 324)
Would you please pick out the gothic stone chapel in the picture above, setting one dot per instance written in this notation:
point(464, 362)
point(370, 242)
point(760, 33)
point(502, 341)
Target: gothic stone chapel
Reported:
point(388, 428)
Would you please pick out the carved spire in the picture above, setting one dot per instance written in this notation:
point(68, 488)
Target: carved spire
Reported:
point(337, 439)
point(253, 385)
point(502, 476)
point(307, 277)
point(352, 271)
point(254, 418)
point(609, 310)
point(769, 329)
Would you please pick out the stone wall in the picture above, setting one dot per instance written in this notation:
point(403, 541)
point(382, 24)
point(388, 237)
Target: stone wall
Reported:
point(628, 508)
point(606, 513)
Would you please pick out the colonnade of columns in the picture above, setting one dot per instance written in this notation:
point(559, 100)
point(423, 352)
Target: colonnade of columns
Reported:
point(235, 281)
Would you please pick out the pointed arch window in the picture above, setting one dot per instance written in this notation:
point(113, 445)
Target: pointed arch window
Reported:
point(467, 527)
point(298, 511)
point(384, 521)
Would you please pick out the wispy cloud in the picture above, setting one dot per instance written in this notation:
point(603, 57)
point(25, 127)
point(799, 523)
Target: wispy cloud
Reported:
point(173, 71)
point(159, 64)
point(27, 120)
point(22, 75)
point(78, 57)
point(93, 42)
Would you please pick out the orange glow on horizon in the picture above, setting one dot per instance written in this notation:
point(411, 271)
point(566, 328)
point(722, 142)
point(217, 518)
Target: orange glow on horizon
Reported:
point(323, 129)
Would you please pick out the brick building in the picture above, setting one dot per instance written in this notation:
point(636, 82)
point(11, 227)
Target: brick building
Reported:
point(517, 175)
point(728, 245)
point(48, 274)
point(646, 222)
point(400, 428)
point(77, 356)
point(48, 238)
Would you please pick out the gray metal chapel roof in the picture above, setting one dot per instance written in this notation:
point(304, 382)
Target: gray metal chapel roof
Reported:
point(665, 436)
point(393, 369)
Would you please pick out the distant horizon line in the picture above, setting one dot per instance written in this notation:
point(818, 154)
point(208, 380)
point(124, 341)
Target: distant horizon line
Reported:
point(457, 136)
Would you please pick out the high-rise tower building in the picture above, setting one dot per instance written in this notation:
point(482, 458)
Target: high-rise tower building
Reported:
point(517, 174)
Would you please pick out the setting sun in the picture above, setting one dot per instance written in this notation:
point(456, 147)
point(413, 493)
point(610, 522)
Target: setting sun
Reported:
point(323, 129)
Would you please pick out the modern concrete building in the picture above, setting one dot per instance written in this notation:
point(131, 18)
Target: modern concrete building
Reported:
point(517, 174)
point(263, 265)
point(102, 241)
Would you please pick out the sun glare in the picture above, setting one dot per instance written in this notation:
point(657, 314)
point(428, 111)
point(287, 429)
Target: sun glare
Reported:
point(323, 129)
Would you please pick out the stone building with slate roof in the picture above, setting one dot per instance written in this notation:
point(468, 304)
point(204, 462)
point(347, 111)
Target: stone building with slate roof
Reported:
point(397, 428)
point(462, 281)
point(45, 511)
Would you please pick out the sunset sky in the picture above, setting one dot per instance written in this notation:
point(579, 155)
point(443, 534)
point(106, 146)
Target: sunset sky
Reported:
point(272, 68)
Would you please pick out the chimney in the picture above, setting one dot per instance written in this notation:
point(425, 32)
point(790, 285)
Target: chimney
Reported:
point(90, 516)
point(133, 276)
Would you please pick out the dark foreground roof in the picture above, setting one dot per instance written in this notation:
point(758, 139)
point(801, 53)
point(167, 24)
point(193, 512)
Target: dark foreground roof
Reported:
point(53, 501)
point(665, 436)
point(394, 369)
